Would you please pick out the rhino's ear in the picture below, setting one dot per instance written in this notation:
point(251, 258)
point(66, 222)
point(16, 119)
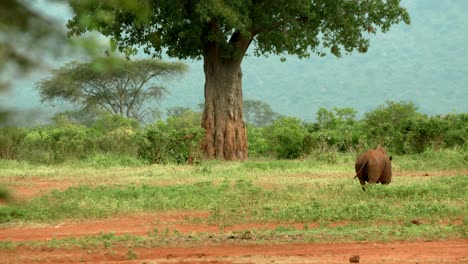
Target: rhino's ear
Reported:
point(390, 158)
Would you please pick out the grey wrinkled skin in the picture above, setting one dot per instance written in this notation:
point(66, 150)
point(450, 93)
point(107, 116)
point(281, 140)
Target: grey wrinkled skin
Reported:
point(373, 166)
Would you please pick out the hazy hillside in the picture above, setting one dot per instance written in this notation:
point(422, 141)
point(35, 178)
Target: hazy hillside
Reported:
point(425, 62)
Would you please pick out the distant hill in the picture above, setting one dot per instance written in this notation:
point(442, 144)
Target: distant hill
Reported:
point(425, 62)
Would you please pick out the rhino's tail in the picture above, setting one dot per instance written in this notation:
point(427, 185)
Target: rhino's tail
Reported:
point(359, 173)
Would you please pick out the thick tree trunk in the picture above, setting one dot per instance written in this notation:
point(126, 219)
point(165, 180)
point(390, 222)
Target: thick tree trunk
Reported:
point(226, 135)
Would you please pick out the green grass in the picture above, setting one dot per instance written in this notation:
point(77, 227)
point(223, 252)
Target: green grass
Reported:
point(433, 160)
point(323, 200)
point(5, 194)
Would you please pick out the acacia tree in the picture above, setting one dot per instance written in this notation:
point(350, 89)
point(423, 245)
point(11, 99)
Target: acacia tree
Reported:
point(220, 32)
point(116, 85)
point(258, 113)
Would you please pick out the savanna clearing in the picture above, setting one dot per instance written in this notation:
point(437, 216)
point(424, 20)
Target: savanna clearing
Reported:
point(258, 211)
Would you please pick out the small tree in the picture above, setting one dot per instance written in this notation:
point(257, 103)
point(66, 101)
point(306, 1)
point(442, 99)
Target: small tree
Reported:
point(335, 118)
point(116, 85)
point(389, 124)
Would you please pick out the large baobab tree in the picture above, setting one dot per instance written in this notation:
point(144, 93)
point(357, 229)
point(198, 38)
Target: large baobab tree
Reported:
point(221, 31)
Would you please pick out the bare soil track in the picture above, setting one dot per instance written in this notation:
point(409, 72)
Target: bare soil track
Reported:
point(397, 252)
point(452, 251)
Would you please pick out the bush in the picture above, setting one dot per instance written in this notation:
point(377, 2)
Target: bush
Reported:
point(186, 118)
point(111, 122)
point(385, 125)
point(335, 130)
point(120, 141)
point(258, 144)
point(406, 131)
point(286, 137)
point(398, 126)
point(457, 130)
point(11, 141)
point(161, 143)
point(51, 144)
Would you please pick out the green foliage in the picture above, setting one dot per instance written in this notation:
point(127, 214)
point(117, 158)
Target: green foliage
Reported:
point(259, 145)
point(456, 131)
point(183, 119)
point(398, 126)
point(109, 122)
point(51, 144)
point(336, 118)
point(335, 129)
point(404, 130)
point(221, 32)
point(184, 30)
point(384, 124)
point(286, 136)
point(112, 160)
point(449, 159)
point(5, 194)
point(162, 143)
point(11, 140)
point(33, 33)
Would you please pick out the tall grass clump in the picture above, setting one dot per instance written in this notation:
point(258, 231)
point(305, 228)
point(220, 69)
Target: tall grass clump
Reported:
point(11, 140)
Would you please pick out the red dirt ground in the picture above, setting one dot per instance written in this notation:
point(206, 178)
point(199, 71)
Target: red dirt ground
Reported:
point(398, 252)
point(452, 251)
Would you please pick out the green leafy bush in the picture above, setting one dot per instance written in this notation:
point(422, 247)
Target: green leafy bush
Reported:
point(11, 141)
point(111, 122)
point(258, 144)
point(120, 141)
point(161, 143)
point(396, 125)
point(184, 119)
point(286, 137)
point(335, 130)
point(386, 124)
point(51, 144)
point(457, 131)
point(405, 131)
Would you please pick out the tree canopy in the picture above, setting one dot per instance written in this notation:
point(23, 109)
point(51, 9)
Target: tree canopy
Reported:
point(25, 35)
point(183, 28)
point(116, 85)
